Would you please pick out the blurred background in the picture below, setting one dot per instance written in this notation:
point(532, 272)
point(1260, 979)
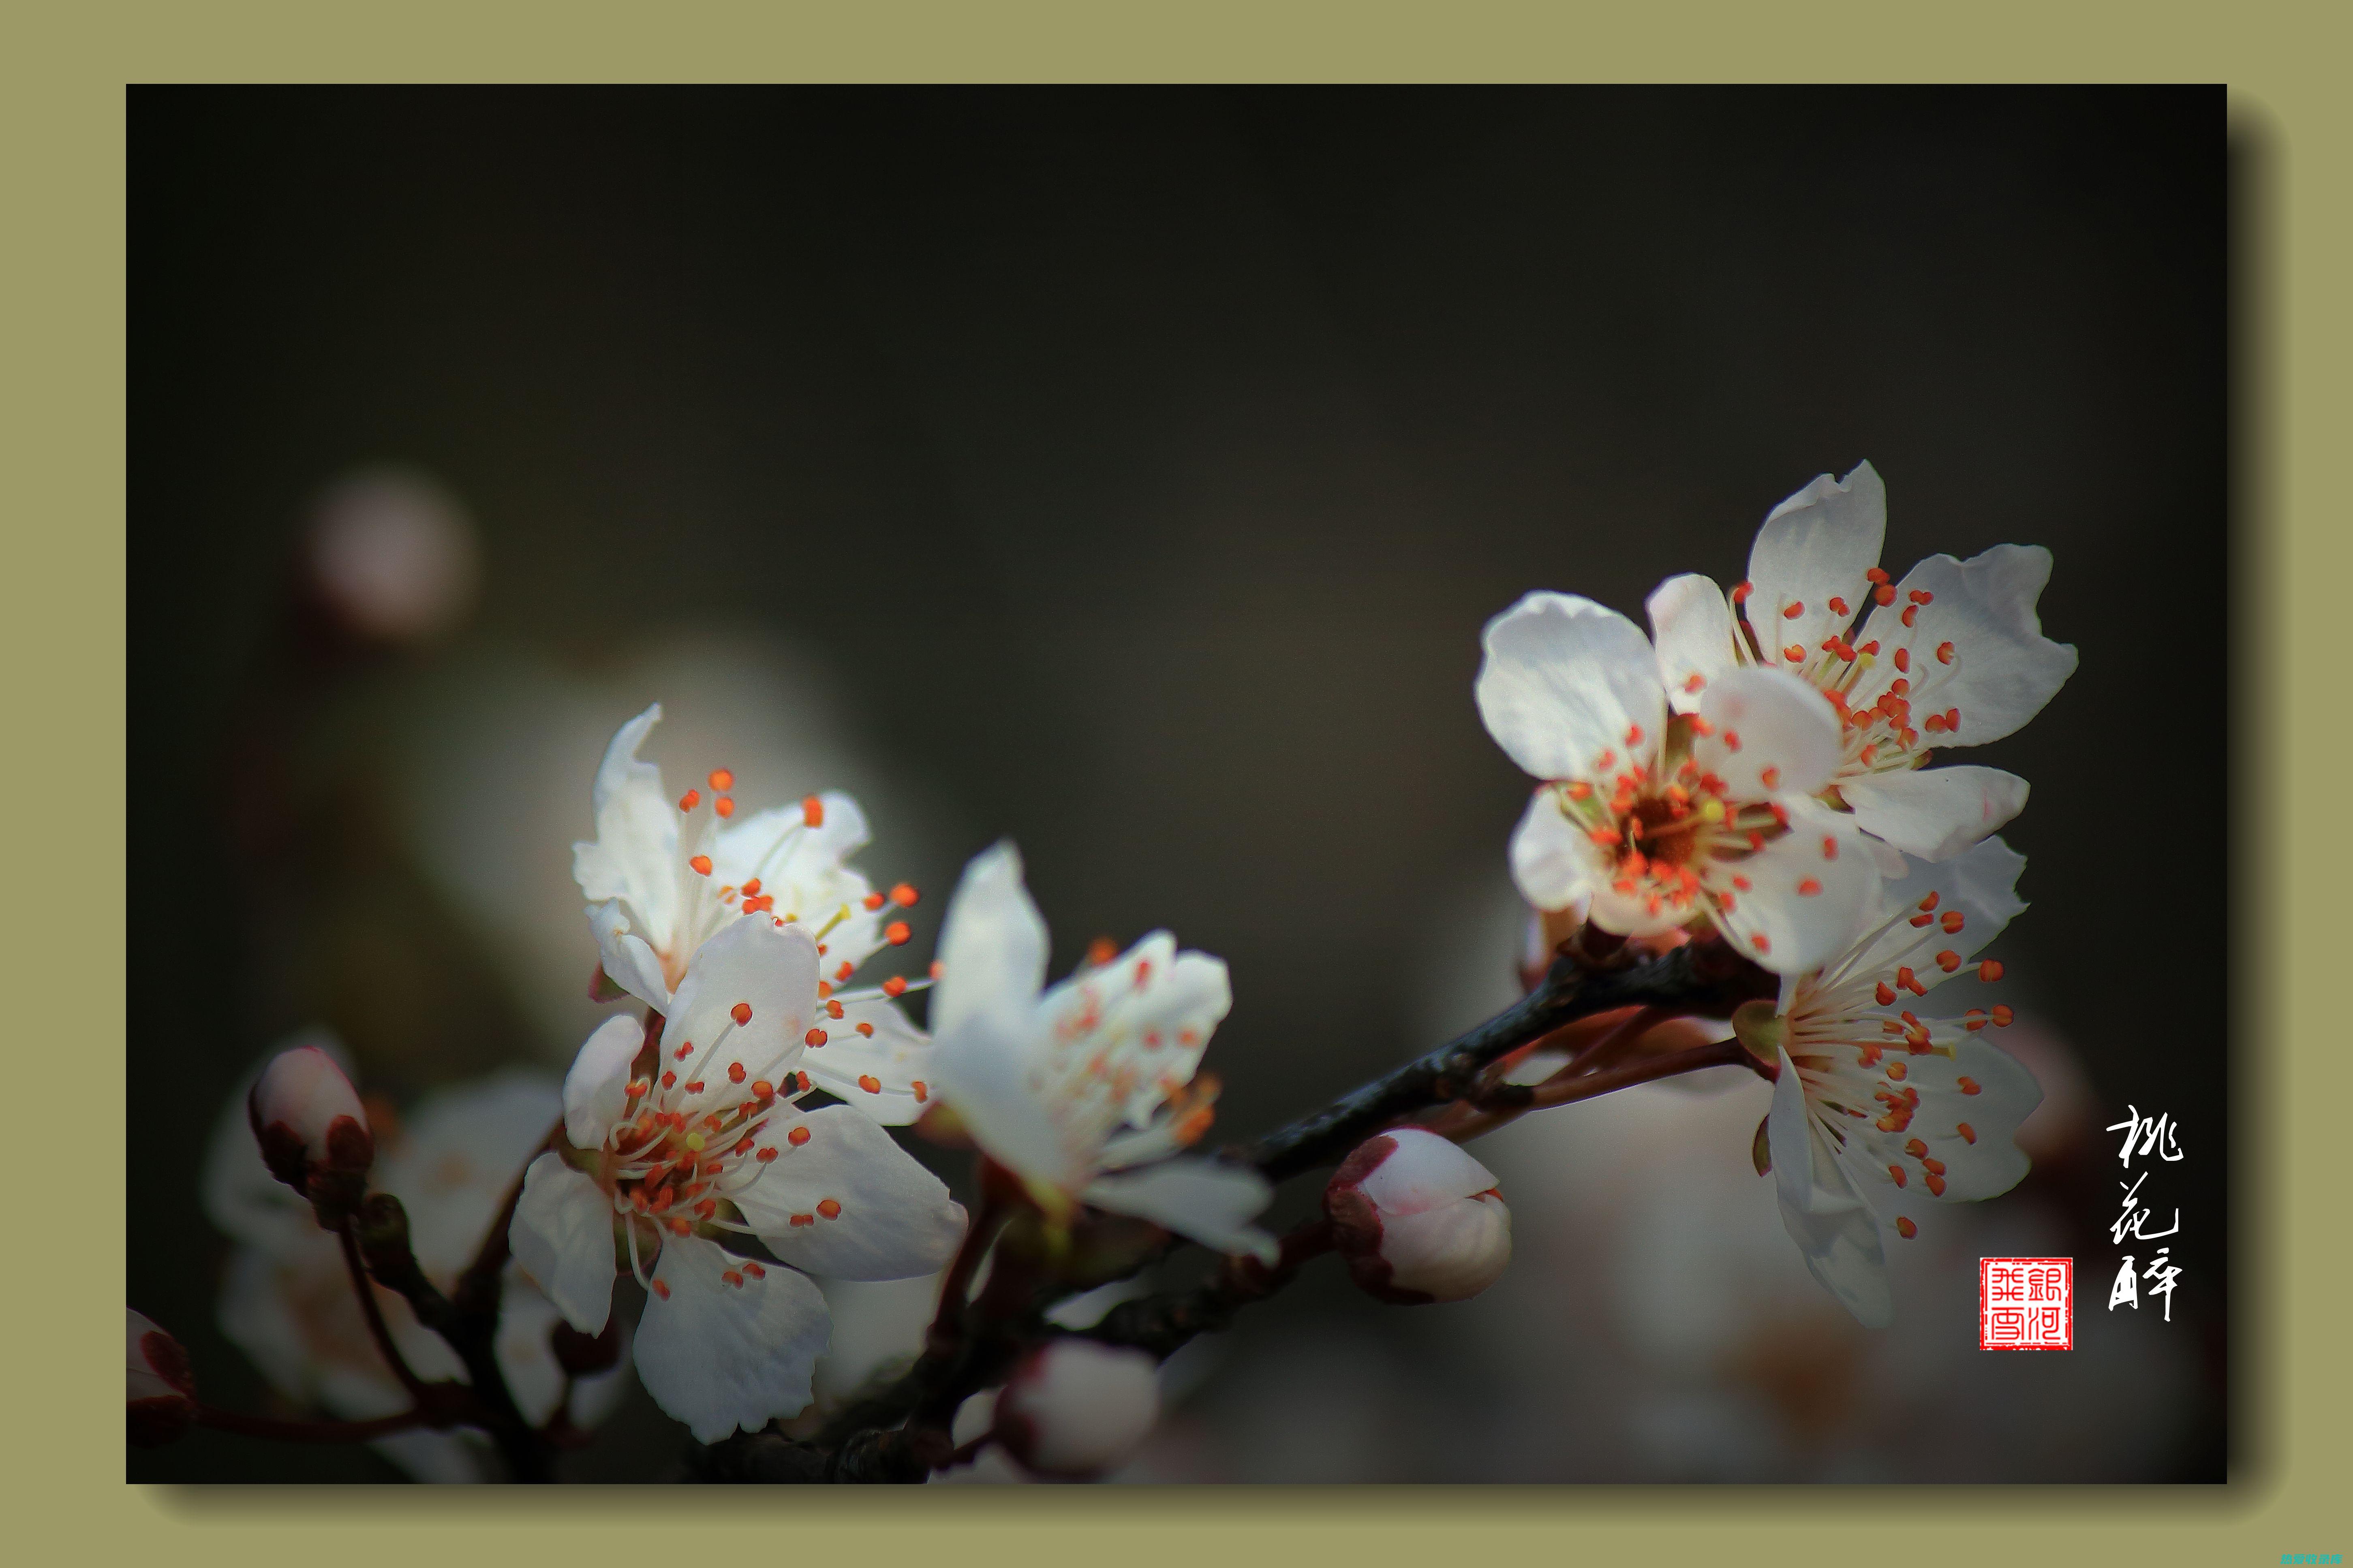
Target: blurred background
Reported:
point(1131, 473)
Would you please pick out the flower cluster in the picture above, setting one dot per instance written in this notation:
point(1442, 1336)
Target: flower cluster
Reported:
point(1762, 769)
point(1753, 777)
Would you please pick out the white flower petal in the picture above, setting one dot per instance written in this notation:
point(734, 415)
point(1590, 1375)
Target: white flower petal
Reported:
point(1691, 624)
point(563, 1237)
point(1154, 997)
point(889, 1219)
point(1815, 547)
point(628, 962)
point(1210, 1202)
point(1829, 1220)
point(1563, 680)
point(1978, 884)
point(1933, 814)
point(895, 1057)
point(776, 846)
point(1769, 733)
point(636, 833)
point(993, 947)
point(1987, 1160)
point(719, 1356)
point(1554, 864)
point(1421, 1171)
point(752, 965)
point(1808, 892)
point(596, 1092)
point(459, 1151)
point(2003, 669)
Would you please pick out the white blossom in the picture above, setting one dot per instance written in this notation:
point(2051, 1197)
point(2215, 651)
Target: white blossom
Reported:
point(1655, 819)
point(1084, 1090)
point(704, 1141)
point(1953, 655)
point(1878, 1109)
point(667, 873)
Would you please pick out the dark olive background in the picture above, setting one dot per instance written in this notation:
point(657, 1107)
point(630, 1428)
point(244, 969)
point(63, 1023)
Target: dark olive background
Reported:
point(1152, 459)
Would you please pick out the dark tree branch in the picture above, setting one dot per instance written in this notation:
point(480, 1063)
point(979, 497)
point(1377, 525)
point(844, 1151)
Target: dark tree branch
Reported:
point(1164, 1325)
point(1703, 977)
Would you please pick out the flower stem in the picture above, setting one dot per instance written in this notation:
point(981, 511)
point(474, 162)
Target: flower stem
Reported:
point(374, 1313)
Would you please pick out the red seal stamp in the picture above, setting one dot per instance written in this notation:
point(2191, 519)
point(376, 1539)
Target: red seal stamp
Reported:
point(2026, 1303)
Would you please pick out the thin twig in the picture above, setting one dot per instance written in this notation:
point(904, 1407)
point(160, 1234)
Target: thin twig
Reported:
point(1704, 977)
point(372, 1311)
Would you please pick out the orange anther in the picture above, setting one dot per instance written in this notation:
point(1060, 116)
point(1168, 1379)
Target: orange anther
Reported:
point(769, 1153)
point(1906, 1228)
point(1897, 1173)
point(1911, 614)
point(690, 800)
point(846, 970)
point(681, 1226)
point(1606, 837)
point(1886, 993)
point(1944, 653)
point(1838, 606)
point(1830, 846)
point(741, 1013)
point(1930, 901)
point(755, 1271)
point(813, 811)
point(797, 1136)
point(724, 805)
point(1581, 790)
point(1740, 592)
point(896, 933)
point(702, 864)
point(1694, 683)
point(1952, 921)
point(873, 900)
point(694, 1086)
point(1968, 1085)
point(1968, 1133)
point(661, 1289)
point(1794, 654)
point(1809, 887)
point(1760, 942)
point(762, 1088)
point(1935, 1184)
point(721, 778)
point(1884, 593)
point(670, 1080)
point(731, 1277)
point(1876, 574)
point(1897, 1071)
point(894, 986)
point(871, 1084)
point(923, 1092)
point(801, 1219)
point(1792, 610)
point(1922, 596)
point(1770, 778)
point(830, 1209)
point(833, 1009)
point(2001, 1017)
point(1633, 734)
point(1948, 961)
point(1914, 1147)
point(939, 967)
point(814, 1038)
point(1741, 883)
point(1990, 970)
point(1903, 660)
point(1732, 740)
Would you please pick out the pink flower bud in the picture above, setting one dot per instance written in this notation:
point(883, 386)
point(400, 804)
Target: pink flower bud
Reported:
point(308, 1118)
point(163, 1392)
point(1074, 1408)
point(1418, 1219)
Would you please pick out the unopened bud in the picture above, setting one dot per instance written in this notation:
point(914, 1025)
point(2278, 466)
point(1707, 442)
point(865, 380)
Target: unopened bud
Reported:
point(1074, 1408)
point(1418, 1219)
point(162, 1399)
point(312, 1130)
